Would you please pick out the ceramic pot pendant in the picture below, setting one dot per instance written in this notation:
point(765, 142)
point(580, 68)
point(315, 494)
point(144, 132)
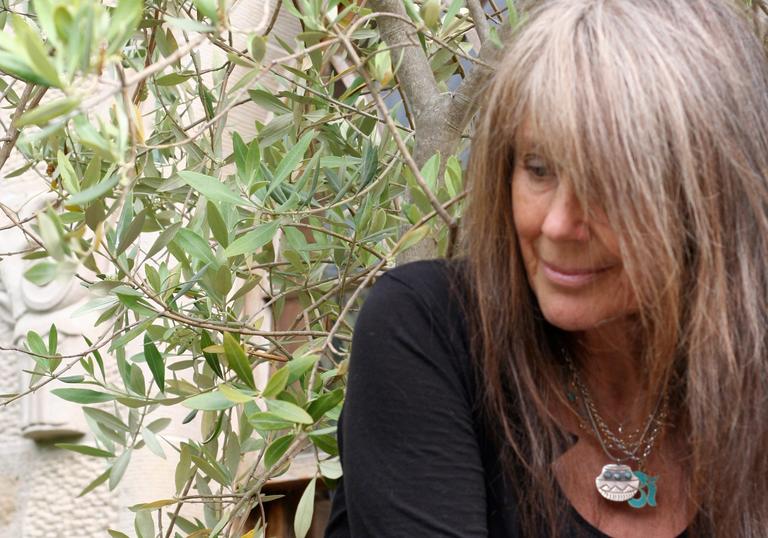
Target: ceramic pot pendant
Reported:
point(617, 482)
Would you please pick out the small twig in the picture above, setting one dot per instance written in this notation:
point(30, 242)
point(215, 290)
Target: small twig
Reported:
point(177, 509)
point(13, 132)
point(273, 19)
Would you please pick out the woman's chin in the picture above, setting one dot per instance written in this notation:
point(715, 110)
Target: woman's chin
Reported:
point(574, 320)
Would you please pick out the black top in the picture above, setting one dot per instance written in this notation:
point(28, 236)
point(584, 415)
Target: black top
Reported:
point(417, 458)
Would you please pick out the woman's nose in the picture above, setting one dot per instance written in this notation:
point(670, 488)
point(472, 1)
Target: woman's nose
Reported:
point(565, 219)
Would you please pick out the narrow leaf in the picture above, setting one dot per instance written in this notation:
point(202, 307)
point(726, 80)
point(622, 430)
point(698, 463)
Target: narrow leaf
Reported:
point(83, 396)
point(210, 358)
point(238, 360)
point(44, 113)
point(155, 362)
point(252, 241)
point(208, 401)
point(87, 450)
point(276, 383)
point(289, 411)
point(132, 232)
point(276, 449)
point(303, 518)
point(291, 160)
point(118, 468)
point(212, 188)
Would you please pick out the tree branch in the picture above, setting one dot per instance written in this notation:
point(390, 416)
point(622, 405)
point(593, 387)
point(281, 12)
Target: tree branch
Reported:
point(23, 105)
point(418, 82)
point(479, 18)
point(464, 101)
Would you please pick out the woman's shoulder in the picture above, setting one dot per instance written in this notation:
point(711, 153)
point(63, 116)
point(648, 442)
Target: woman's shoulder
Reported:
point(434, 281)
point(421, 305)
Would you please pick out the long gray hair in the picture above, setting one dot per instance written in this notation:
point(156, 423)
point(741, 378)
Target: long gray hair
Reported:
point(658, 111)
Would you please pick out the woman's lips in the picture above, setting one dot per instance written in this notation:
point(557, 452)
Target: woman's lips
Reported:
point(572, 278)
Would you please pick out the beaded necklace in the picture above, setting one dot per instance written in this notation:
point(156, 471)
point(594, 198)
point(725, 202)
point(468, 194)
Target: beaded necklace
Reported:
point(617, 481)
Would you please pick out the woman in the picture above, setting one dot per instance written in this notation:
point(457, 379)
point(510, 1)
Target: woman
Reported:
point(595, 364)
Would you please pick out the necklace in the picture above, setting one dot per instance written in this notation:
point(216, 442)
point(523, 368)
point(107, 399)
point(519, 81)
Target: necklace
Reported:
point(617, 481)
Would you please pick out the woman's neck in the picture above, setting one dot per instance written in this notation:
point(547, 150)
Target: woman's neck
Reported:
point(609, 364)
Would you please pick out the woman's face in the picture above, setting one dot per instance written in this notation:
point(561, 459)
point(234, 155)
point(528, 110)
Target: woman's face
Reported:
point(573, 263)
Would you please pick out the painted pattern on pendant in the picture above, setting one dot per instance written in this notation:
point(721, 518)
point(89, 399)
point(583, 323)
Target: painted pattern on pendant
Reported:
point(647, 491)
point(617, 482)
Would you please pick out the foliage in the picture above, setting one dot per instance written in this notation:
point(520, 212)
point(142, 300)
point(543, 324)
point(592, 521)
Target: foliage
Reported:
point(170, 220)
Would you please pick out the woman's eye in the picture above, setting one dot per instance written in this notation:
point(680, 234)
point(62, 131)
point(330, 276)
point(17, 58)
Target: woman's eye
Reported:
point(538, 167)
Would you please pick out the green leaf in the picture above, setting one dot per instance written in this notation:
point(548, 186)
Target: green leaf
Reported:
point(152, 443)
point(123, 22)
point(451, 12)
point(291, 160)
point(87, 450)
point(216, 223)
point(92, 138)
point(257, 47)
point(318, 407)
point(430, 13)
point(76, 379)
point(52, 235)
point(289, 411)
point(326, 442)
point(429, 171)
point(212, 469)
point(252, 241)
point(53, 341)
point(331, 468)
point(303, 518)
point(97, 356)
point(155, 362)
point(189, 25)
point(265, 421)
point(210, 358)
point(133, 231)
point(172, 79)
point(238, 360)
point(105, 418)
point(300, 365)
point(412, 237)
point(154, 505)
point(212, 188)
point(35, 51)
point(117, 534)
point(234, 395)
point(163, 239)
point(18, 68)
point(96, 482)
point(276, 383)
point(209, 401)
point(94, 192)
point(144, 525)
point(83, 396)
point(268, 101)
point(42, 114)
point(35, 343)
point(118, 468)
point(207, 8)
point(68, 177)
point(159, 424)
point(195, 246)
point(276, 449)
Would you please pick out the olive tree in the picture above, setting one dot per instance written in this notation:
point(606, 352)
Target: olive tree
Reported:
point(170, 218)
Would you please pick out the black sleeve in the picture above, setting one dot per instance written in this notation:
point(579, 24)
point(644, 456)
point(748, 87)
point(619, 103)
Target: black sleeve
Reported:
point(409, 452)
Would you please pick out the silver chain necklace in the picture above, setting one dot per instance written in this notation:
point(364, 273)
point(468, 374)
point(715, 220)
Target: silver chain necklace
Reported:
point(617, 481)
